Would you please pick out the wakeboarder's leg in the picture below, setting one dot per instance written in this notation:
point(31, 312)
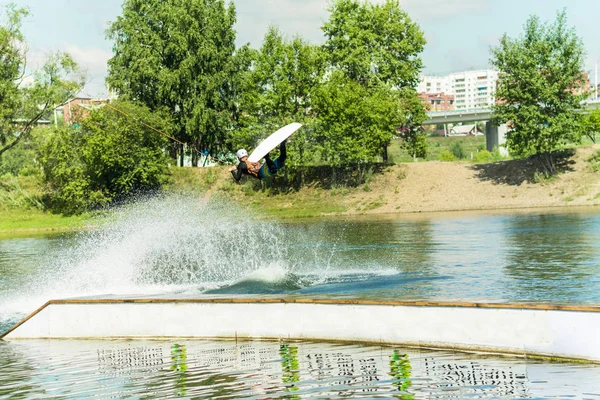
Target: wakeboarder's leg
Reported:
point(280, 161)
point(271, 164)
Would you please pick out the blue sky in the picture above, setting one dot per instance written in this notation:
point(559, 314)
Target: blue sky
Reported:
point(459, 32)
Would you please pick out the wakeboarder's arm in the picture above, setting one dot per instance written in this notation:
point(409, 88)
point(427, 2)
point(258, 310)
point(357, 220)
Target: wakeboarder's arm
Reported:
point(239, 171)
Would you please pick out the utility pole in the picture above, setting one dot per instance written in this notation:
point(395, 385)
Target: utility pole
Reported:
point(596, 82)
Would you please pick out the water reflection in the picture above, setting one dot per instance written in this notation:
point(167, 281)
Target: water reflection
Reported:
point(294, 370)
point(553, 256)
point(393, 258)
point(400, 371)
point(20, 257)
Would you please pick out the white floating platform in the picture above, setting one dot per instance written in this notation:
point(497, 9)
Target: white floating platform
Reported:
point(525, 330)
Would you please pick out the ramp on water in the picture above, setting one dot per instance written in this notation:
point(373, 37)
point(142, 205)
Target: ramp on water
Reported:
point(567, 332)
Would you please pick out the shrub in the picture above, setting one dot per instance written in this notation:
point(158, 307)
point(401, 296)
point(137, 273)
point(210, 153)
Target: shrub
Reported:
point(483, 156)
point(107, 158)
point(457, 150)
point(15, 194)
point(446, 155)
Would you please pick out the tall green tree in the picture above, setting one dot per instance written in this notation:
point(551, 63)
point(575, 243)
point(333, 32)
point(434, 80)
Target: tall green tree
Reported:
point(284, 73)
point(354, 121)
point(23, 104)
point(278, 89)
point(179, 55)
point(540, 88)
point(109, 156)
point(374, 42)
point(379, 45)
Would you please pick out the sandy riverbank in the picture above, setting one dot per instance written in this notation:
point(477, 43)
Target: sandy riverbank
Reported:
point(450, 186)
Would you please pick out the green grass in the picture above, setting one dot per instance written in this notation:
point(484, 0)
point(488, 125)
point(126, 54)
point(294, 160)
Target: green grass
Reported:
point(437, 145)
point(192, 179)
point(22, 209)
point(21, 192)
point(312, 203)
point(594, 161)
point(22, 221)
point(470, 144)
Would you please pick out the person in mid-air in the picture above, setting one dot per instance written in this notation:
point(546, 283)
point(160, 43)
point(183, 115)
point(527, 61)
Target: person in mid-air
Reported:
point(258, 170)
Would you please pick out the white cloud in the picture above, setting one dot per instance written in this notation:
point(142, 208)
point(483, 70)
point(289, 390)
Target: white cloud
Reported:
point(305, 17)
point(433, 9)
point(92, 60)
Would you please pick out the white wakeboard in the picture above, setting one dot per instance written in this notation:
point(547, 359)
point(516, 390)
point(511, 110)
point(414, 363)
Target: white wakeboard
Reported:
point(272, 141)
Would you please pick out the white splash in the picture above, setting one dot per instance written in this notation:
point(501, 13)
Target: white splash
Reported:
point(167, 244)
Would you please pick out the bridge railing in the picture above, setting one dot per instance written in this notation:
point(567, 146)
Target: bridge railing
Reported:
point(483, 110)
point(462, 111)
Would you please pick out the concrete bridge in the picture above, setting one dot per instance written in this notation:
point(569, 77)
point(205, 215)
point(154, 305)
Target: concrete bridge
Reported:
point(494, 135)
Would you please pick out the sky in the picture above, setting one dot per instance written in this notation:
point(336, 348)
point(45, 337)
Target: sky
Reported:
point(459, 33)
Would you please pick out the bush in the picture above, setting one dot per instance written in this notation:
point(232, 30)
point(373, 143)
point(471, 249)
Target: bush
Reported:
point(457, 150)
point(446, 155)
point(107, 158)
point(16, 193)
point(21, 159)
point(483, 156)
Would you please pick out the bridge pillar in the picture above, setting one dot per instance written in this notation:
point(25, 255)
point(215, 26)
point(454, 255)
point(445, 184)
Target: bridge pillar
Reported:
point(495, 136)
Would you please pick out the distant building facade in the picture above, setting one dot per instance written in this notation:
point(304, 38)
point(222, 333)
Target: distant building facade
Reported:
point(471, 89)
point(79, 107)
point(437, 101)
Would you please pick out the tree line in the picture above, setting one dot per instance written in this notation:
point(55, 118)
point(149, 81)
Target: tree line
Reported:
point(181, 79)
point(352, 92)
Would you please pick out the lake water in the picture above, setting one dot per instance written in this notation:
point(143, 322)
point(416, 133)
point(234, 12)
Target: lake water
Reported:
point(177, 246)
point(259, 370)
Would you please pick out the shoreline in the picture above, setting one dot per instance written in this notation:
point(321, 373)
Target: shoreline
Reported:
point(407, 190)
point(441, 214)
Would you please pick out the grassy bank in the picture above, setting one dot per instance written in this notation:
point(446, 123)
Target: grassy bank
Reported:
point(31, 221)
point(258, 198)
point(22, 208)
point(401, 188)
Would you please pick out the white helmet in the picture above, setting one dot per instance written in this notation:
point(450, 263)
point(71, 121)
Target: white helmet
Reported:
point(241, 153)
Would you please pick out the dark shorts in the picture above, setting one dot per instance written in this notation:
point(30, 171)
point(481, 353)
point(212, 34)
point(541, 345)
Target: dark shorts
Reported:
point(264, 170)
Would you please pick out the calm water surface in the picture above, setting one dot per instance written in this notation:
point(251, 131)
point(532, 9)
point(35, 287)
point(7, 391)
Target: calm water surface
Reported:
point(174, 247)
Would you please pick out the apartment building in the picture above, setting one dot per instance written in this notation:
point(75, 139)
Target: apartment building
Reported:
point(433, 84)
point(471, 89)
point(437, 101)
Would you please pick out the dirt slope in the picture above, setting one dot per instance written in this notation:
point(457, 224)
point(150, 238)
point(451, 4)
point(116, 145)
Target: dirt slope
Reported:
point(450, 186)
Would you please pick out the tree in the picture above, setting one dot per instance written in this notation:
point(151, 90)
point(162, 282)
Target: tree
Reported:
point(540, 89)
point(376, 45)
point(278, 89)
point(410, 119)
point(23, 105)
point(109, 156)
point(592, 124)
point(179, 55)
point(284, 73)
point(354, 121)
